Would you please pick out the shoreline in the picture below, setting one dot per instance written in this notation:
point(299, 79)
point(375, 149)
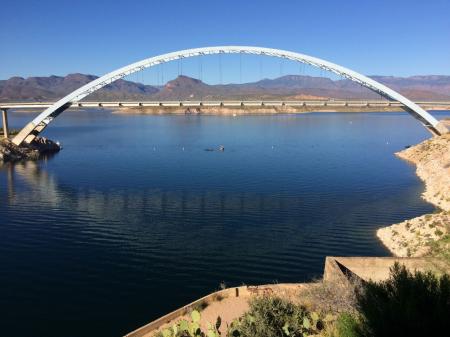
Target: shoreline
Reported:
point(426, 235)
point(227, 111)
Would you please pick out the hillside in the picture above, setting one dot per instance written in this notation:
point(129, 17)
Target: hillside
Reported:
point(54, 87)
point(428, 234)
point(50, 88)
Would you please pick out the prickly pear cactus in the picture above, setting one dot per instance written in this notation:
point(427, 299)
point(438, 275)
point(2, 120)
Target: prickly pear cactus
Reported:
point(167, 333)
point(191, 328)
point(183, 325)
point(195, 315)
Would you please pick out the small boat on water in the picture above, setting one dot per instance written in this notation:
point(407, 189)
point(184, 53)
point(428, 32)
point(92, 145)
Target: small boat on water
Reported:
point(221, 149)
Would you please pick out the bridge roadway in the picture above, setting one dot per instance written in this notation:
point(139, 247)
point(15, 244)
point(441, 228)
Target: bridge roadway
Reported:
point(230, 103)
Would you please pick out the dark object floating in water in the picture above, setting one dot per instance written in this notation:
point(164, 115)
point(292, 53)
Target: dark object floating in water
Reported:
point(221, 149)
point(407, 146)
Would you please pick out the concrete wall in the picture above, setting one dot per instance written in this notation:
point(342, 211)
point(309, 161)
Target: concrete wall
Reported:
point(377, 268)
point(336, 269)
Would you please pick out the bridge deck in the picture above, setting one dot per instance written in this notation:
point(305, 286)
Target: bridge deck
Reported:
point(224, 103)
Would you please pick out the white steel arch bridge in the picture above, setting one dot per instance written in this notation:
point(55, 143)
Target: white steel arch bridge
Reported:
point(38, 124)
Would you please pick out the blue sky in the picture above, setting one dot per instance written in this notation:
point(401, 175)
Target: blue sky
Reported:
point(40, 38)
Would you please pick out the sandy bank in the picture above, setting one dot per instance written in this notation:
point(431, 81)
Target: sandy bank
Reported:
point(418, 236)
point(414, 237)
point(257, 110)
point(206, 110)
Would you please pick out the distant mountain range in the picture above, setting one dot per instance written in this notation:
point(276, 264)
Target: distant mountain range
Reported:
point(432, 87)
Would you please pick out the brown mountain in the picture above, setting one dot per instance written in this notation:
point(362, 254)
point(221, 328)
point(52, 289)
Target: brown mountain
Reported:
point(290, 86)
point(419, 87)
point(431, 87)
point(54, 87)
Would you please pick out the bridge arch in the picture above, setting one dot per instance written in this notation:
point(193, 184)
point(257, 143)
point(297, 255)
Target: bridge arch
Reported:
point(38, 124)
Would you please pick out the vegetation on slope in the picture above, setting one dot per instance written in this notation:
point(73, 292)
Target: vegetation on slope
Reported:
point(406, 304)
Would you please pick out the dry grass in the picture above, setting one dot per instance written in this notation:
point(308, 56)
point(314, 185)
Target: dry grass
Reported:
point(332, 296)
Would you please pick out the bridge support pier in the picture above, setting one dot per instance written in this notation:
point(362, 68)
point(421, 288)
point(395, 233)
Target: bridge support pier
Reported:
point(5, 122)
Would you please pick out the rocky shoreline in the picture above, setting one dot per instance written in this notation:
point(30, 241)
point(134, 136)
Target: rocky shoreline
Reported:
point(427, 235)
point(9, 152)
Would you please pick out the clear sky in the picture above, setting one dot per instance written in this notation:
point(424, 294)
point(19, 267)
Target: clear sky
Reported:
point(396, 37)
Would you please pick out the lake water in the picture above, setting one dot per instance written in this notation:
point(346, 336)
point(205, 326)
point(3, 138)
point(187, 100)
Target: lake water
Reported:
point(133, 218)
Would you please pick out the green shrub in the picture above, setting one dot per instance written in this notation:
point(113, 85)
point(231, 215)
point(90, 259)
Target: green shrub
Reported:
point(441, 248)
point(276, 317)
point(347, 325)
point(407, 304)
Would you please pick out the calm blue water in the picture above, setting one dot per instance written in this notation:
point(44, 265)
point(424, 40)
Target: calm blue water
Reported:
point(133, 218)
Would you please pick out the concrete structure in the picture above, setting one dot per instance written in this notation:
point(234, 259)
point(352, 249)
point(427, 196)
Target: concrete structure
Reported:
point(224, 103)
point(377, 268)
point(37, 125)
point(5, 122)
point(336, 271)
point(231, 295)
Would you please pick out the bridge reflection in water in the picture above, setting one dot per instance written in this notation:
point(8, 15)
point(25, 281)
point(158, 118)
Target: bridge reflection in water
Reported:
point(117, 207)
point(174, 219)
point(182, 217)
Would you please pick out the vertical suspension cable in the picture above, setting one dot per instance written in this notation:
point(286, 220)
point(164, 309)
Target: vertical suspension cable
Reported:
point(200, 75)
point(260, 68)
point(240, 68)
point(220, 68)
point(143, 76)
point(159, 75)
point(200, 68)
point(360, 91)
point(151, 76)
point(300, 73)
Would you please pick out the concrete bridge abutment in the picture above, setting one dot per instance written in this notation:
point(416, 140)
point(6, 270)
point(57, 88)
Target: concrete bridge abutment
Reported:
point(5, 123)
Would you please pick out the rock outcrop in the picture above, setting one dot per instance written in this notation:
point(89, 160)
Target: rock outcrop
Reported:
point(415, 237)
point(9, 152)
point(432, 158)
